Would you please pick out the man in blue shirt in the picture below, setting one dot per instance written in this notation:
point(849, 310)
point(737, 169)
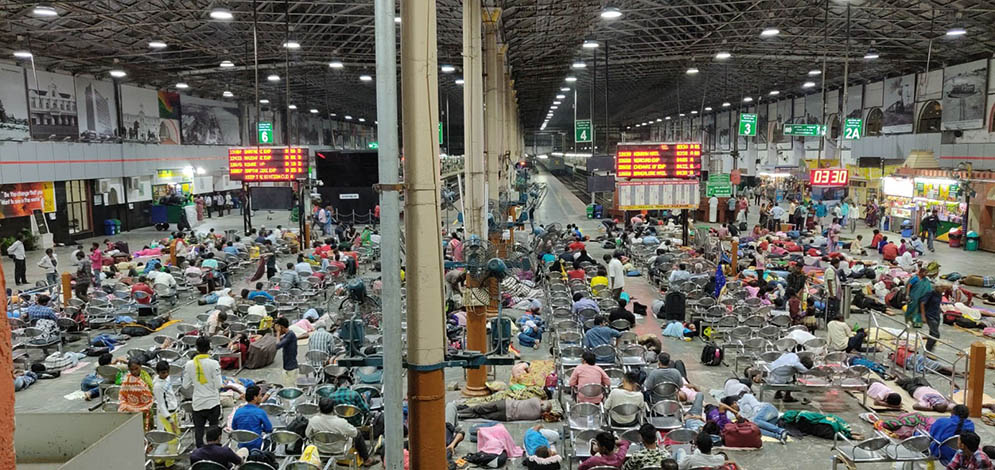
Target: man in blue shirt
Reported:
point(600, 335)
point(230, 249)
point(252, 418)
point(259, 292)
point(287, 342)
point(581, 303)
point(40, 309)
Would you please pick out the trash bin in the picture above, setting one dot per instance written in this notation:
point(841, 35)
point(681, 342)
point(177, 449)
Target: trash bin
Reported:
point(954, 237)
point(109, 227)
point(598, 210)
point(117, 226)
point(590, 211)
point(907, 228)
point(973, 240)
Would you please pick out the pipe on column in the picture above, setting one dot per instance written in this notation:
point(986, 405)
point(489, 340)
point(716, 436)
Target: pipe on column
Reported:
point(426, 331)
point(475, 214)
point(390, 248)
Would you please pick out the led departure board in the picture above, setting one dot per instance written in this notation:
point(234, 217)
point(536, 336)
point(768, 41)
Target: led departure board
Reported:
point(266, 163)
point(829, 177)
point(669, 160)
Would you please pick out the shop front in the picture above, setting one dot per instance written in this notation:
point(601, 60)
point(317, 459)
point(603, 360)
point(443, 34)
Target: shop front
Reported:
point(943, 196)
point(899, 206)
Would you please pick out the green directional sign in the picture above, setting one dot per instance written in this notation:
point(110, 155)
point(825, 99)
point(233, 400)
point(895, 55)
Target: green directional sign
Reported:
point(582, 130)
point(265, 133)
point(373, 146)
point(440, 132)
point(852, 128)
point(718, 185)
point(804, 130)
point(747, 124)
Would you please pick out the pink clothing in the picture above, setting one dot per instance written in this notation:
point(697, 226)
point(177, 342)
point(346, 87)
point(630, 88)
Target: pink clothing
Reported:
point(878, 391)
point(587, 374)
point(495, 440)
point(457, 247)
point(304, 325)
point(96, 258)
point(612, 460)
point(922, 395)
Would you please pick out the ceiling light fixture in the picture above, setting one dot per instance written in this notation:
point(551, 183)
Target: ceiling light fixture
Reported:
point(774, 93)
point(681, 115)
point(590, 44)
point(956, 31)
point(264, 101)
point(560, 97)
point(273, 78)
point(659, 120)
point(871, 54)
point(814, 72)
point(157, 45)
point(448, 69)
point(666, 118)
point(221, 14)
point(362, 119)
point(335, 64)
point(692, 71)
point(118, 73)
point(554, 107)
point(182, 86)
point(44, 11)
point(770, 32)
point(726, 104)
point(348, 117)
point(557, 103)
point(227, 64)
point(459, 81)
point(227, 94)
point(23, 54)
point(314, 111)
point(694, 111)
point(292, 107)
point(365, 78)
point(748, 99)
point(611, 13)
point(579, 65)
point(571, 79)
point(723, 55)
point(292, 45)
point(808, 85)
point(332, 114)
point(565, 89)
point(708, 108)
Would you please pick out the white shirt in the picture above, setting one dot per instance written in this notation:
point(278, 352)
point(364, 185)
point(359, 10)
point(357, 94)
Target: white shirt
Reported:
point(159, 277)
point(49, 264)
point(226, 301)
point(208, 201)
point(205, 395)
point(778, 213)
point(165, 397)
point(616, 274)
point(16, 249)
point(375, 238)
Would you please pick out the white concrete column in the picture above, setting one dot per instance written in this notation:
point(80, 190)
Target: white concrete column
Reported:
point(492, 109)
point(475, 205)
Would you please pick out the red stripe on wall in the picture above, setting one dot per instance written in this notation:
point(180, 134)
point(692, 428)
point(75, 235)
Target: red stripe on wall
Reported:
point(120, 160)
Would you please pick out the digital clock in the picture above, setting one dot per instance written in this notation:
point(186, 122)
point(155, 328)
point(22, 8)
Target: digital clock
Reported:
point(829, 177)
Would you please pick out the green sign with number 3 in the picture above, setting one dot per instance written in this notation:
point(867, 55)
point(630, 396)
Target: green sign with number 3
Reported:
point(852, 129)
point(748, 124)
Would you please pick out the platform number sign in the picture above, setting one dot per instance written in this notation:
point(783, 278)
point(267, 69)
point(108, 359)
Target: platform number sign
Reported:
point(748, 124)
point(582, 130)
point(265, 133)
point(852, 129)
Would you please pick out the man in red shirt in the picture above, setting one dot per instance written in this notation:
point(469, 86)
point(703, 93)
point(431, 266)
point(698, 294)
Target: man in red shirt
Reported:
point(889, 252)
point(143, 286)
point(876, 240)
point(576, 245)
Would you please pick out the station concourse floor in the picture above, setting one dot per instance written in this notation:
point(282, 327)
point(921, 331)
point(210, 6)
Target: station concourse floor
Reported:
point(563, 207)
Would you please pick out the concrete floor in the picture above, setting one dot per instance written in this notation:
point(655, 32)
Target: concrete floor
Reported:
point(560, 206)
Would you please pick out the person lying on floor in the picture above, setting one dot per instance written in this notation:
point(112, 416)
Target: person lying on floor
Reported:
point(920, 363)
point(506, 410)
point(763, 414)
point(927, 398)
point(884, 396)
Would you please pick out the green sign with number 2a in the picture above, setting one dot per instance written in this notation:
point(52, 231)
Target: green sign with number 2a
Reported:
point(852, 129)
point(582, 130)
point(747, 124)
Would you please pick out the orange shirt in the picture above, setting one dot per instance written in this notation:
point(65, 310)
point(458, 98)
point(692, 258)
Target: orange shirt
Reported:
point(889, 252)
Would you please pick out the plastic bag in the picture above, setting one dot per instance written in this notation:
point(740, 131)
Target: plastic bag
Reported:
point(311, 456)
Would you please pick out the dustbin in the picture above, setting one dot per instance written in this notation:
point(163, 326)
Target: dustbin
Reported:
point(973, 240)
point(598, 210)
point(109, 227)
point(907, 228)
point(590, 211)
point(954, 237)
point(117, 226)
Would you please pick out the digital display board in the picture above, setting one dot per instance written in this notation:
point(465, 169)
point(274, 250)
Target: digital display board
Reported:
point(667, 160)
point(829, 177)
point(266, 163)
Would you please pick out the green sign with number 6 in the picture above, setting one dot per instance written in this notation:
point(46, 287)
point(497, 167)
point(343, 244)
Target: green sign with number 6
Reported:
point(747, 124)
point(852, 129)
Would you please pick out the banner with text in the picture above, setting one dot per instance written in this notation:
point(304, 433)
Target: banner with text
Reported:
point(19, 200)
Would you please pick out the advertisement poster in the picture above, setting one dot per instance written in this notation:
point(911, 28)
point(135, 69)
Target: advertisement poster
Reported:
point(52, 104)
point(20, 200)
point(13, 104)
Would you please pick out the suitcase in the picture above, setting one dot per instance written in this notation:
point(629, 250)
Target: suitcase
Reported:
point(743, 434)
point(261, 353)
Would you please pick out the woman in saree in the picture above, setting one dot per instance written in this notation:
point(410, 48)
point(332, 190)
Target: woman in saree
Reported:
point(919, 286)
point(136, 392)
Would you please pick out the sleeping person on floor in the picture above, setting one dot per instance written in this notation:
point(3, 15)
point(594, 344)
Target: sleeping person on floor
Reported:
point(506, 410)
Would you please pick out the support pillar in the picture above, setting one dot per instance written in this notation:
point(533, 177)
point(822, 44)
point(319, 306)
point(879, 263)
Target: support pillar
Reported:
point(734, 265)
point(7, 459)
point(475, 216)
point(476, 339)
point(975, 379)
point(426, 330)
point(492, 114)
point(67, 288)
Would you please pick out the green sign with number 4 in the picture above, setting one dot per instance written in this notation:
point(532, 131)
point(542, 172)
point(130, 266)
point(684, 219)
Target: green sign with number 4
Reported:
point(582, 130)
point(748, 124)
point(852, 129)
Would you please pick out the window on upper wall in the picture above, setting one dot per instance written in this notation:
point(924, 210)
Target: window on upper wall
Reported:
point(834, 126)
point(875, 120)
point(929, 118)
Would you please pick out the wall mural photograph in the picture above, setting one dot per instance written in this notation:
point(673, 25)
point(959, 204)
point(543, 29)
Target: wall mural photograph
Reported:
point(899, 104)
point(209, 122)
point(964, 95)
point(140, 110)
point(97, 110)
point(13, 104)
point(169, 117)
point(52, 106)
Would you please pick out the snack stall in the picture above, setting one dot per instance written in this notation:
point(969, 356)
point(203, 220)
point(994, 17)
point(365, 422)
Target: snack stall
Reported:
point(942, 194)
point(899, 206)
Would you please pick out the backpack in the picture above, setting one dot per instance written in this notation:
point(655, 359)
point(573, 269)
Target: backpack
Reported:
point(712, 355)
point(297, 426)
point(674, 306)
point(743, 434)
point(261, 353)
